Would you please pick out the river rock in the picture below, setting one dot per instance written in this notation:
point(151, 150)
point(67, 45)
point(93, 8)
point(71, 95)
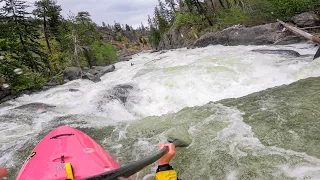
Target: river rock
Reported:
point(257, 35)
point(91, 77)
point(120, 92)
point(278, 51)
point(3, 94)
point(307, 19)
point(72, 73)
point(101, 70)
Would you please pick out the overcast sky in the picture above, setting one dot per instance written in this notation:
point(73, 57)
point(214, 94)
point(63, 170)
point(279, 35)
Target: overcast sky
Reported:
point(131, 12)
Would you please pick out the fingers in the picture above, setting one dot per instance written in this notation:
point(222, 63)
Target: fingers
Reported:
point(172, 149)
point(162, 145)
point(169, 155)
point(3, 172)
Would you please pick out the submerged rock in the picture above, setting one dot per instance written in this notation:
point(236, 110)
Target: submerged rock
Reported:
point(35, 106)
point(278, 51)
point(120, 92)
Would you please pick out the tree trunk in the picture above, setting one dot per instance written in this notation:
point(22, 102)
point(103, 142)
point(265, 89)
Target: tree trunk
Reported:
point(213, 8)
point(181, 6)
point(228, 4)
point(45, 30)
point(172, 6)
point(300, 32)
point(75, 53)
point(221, 3)
point(201, 11)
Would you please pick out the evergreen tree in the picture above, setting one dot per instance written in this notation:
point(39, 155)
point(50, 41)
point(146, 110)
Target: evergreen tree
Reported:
point(172, 4)
point(117, 27)
point(83, 17)
point(142, 27)
point(19, 36)
point(128, 27)
point(49, 12)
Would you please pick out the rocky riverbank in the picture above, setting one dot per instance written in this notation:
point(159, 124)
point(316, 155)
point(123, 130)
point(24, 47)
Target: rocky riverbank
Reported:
point(267, 34)
point(69, 74)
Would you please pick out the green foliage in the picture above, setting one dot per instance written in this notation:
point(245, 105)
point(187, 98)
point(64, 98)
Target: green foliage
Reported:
point(155, 37)
point(29, 80)
point(163, 25)
point(285, 8)
point(27, 64)
point(186, 19)
point(49, 12)
point(234, 15)
point(103, 53)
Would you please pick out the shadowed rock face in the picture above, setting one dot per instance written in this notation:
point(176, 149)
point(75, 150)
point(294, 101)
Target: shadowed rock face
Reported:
point(306, 19)
point(280, 51)
point(257, 35)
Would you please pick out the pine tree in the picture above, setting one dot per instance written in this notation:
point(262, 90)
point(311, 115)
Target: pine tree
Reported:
point(202, 11)
point(83, 17)
point(49, 12)
point(172, 5)
point(128, 27)
point(143, 29)
point(19, 36)
point(190, 5)
point(117, 26)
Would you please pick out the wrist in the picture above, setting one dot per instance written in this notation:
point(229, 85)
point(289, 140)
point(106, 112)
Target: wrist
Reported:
point(164, 167)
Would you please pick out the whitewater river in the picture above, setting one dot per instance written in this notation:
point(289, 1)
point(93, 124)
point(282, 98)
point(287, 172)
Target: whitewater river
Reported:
point(181, 93)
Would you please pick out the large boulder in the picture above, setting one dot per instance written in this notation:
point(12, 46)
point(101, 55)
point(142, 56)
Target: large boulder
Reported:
point(99, 71)
point(72, 73)
point(257, 35)
point(307, 19)
point(91, 77)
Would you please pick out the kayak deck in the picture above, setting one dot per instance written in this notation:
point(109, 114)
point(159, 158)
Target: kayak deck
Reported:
point(66, 145)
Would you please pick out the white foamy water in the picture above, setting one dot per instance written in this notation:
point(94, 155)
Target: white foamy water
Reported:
point(171, 81)
point(161, 83)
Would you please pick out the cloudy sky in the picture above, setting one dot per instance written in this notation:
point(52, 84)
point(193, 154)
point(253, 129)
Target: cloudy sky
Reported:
point(131, 12)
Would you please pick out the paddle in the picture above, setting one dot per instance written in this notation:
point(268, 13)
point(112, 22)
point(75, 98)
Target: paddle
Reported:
point(317, 54)
point(132, 168)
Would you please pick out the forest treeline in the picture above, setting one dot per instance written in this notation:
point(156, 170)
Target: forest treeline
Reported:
point(38, 43)
point(214, 15)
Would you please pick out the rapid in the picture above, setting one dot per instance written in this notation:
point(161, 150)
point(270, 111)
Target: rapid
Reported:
point(181, 93)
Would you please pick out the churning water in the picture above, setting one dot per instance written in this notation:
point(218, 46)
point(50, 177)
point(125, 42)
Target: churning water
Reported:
point(167, 94)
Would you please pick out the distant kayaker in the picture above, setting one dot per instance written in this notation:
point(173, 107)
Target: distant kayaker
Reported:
point(3, 172)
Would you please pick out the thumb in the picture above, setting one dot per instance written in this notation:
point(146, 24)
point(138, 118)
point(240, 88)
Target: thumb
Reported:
point(162, 145)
